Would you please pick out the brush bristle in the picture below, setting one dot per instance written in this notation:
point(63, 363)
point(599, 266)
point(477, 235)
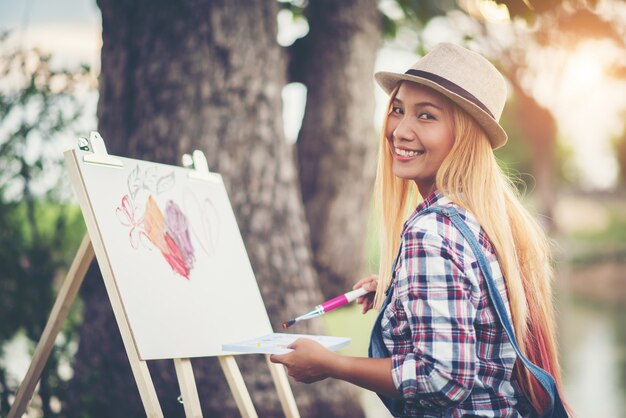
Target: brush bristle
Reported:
point(287, 324)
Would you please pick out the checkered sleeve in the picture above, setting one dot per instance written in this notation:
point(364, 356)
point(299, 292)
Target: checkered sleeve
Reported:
point(434, 293)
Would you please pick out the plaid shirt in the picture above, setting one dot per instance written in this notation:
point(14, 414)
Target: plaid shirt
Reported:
point(450, 355)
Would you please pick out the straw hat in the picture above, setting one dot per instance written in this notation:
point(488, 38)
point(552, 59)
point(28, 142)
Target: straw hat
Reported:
point(466, 78)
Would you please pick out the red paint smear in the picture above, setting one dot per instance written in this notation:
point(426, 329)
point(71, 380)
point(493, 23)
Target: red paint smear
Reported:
point(154, 225)
point(175, 257)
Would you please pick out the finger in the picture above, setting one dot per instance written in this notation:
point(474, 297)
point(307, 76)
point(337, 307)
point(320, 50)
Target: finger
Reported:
point(362, 281)
point(357, 284)
point(276, 358)
point(367, 306)
point(365, 299)
point(371, 285)
point(294, 344)
point(372, 278)
point(368, 298)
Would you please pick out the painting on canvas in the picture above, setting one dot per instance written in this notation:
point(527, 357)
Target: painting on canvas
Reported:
point(176, 254)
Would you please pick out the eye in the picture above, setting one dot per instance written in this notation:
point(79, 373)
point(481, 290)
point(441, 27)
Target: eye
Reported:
point(426, 116)
point(397, 110)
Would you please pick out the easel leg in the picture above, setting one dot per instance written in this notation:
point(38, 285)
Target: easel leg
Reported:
point(60, 310)
point(237, 386)
point(285, 395)
point(59, 313)
point(147, 392)
point(188, 389)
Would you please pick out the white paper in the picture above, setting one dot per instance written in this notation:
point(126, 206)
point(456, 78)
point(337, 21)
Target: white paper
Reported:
point(277, 343)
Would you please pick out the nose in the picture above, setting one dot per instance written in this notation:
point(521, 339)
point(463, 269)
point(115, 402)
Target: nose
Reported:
point(403, 130)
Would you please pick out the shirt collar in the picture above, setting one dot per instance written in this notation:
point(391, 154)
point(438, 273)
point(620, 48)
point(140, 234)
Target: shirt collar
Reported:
point(436, 198)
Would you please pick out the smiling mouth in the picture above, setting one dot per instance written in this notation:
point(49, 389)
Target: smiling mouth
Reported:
point(408, 153)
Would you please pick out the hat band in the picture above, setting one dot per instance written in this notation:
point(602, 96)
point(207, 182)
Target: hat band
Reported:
point(450, 86)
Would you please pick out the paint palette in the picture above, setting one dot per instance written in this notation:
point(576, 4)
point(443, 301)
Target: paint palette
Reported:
point(277, 343)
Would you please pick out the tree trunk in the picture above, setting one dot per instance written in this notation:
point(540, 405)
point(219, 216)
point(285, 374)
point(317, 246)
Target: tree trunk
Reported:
point(540, 133)
point(337, 142)
point(185, 75)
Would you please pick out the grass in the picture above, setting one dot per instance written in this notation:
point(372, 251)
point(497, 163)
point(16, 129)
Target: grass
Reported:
point(349, 322)
point(614, 232)
point(606, 244)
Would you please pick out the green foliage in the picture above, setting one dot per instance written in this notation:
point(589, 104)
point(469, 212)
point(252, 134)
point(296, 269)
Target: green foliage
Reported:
point(603, 242)
point(37, 102)
point(613, 233)
point(39, 232)
point(412, 13)
point(422, 11)
point(296, 7)
point(604, 246)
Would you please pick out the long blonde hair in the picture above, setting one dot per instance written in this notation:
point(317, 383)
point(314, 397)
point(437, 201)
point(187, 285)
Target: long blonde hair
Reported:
point(471, 177)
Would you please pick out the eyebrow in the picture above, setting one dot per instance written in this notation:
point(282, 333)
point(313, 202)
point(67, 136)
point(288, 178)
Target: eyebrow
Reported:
point(421, 104)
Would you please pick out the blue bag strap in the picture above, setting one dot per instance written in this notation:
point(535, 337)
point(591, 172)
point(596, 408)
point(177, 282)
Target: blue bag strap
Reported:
point(544, 378)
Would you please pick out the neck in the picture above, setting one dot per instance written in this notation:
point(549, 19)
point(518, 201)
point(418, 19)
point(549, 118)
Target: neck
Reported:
point(425, 189)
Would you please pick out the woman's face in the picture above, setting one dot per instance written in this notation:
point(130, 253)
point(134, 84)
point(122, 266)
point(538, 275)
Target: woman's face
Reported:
point(419, 131)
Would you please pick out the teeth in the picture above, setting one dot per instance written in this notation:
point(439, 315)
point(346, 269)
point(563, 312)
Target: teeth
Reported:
point(407, 153)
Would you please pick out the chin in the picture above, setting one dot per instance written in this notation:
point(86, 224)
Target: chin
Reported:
point(403, 175)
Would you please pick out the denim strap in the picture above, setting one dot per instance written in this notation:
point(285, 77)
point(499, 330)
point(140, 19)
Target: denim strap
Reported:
point(556, 406)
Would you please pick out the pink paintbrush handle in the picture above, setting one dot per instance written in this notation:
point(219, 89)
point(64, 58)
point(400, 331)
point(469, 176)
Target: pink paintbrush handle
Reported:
point(342, 300)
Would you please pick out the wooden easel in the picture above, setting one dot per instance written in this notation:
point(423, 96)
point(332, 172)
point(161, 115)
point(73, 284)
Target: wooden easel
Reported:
point(147, 392)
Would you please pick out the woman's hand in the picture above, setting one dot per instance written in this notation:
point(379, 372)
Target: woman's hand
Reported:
point(308, 362)
point(369, 283)
point(311, 362)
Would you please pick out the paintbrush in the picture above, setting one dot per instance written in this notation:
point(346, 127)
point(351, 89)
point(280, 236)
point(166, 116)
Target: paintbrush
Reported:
point(329, 305)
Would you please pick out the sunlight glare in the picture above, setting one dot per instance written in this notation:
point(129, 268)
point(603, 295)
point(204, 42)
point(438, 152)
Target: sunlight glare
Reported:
point(493, 12)
point(582, 71)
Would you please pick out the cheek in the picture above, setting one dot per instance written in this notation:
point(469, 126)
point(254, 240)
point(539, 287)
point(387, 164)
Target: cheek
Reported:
point(446, 142)
point(448, 147)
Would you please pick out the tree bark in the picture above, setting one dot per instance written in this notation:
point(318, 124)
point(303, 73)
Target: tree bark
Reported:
point(541, 135)
point(185, 75)
point(337, 142)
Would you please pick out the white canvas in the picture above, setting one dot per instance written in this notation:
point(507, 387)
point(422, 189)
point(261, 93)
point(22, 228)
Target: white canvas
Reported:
point(177, 256)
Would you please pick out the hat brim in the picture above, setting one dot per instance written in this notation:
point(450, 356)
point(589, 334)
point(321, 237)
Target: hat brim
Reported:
point(495, 133)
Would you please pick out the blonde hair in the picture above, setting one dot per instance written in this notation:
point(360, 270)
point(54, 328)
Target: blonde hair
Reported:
point(471, 177)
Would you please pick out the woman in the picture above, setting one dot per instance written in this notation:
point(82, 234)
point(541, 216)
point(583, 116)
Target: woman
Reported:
point(444, 351)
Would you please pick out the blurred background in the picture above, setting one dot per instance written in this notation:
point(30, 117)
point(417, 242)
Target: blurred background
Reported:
point(282, 91)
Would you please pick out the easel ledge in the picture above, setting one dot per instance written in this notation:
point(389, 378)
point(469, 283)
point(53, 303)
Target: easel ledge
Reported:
point(184, 372)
